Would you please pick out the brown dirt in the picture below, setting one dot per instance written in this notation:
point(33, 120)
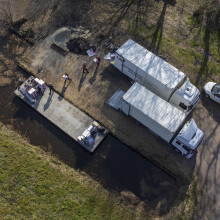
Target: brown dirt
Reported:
point(92, 93)
point(95, 91)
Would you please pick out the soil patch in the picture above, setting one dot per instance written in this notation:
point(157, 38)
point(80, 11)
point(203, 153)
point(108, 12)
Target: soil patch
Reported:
point(89, 92)
point(79, 46)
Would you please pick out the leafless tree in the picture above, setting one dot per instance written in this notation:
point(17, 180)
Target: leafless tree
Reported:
point(34, 9)
point(40, 7)
point(6, 13)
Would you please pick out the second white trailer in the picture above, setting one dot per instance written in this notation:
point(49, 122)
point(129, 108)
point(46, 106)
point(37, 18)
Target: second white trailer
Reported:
point(163, 119)
point(152, 111)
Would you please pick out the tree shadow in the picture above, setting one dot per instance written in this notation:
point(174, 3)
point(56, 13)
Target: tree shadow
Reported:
point(157, 35)
point(119, 14)
point(206, 40)
point(66, 16)
point(121, 10)
point(218, 39)
point(82, 79)
point(138, 13)
point(8, 44)
point(140, 17)
point(208, 161)
point(19, 23)
point(210, 182)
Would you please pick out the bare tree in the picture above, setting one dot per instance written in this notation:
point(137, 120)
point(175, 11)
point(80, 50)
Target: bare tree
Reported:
point(33, 9)
point(40, 7)
point(6, 13)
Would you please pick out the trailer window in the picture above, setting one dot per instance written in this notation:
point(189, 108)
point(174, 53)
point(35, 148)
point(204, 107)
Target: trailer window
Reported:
point(130, 70)
point(193, 135)
point(183, 106)
point(185, 147)
point(178, 142)
point(190, 107)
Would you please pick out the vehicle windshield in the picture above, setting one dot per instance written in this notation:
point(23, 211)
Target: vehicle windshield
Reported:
point(216, 89)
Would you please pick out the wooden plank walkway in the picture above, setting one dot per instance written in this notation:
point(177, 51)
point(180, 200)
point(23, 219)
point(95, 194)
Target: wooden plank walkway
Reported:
point(64, 115)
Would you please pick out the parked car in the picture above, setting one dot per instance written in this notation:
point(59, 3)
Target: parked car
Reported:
point(212, 90)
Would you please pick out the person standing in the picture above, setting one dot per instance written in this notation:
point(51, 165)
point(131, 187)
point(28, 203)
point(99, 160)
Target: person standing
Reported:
point(20, 80)
point(66, 77)
point(51, 88)
point(98, 61)
point(39, 91)
point(85, 68)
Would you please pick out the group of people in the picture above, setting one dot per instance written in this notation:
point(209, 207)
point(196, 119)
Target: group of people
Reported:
point(65, 76)
point(97, 60)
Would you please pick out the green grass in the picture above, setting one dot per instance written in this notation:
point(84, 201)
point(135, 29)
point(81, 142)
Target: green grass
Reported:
point(190, 204)
point(198, 38)
point(187, 53)
point(173, 16)
point(187, 56)
point(34, 185)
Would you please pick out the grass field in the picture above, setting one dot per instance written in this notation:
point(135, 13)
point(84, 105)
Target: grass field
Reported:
point(34, 185)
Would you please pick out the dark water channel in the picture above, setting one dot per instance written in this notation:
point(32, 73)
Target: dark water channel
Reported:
point(114, 165)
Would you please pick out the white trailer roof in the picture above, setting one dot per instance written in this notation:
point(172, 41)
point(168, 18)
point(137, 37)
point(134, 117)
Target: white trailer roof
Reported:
point(155, 107)
point(150, 63)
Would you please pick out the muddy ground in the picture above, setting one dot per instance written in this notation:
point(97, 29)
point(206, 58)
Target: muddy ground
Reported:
point(91, 92)
point(156, 205)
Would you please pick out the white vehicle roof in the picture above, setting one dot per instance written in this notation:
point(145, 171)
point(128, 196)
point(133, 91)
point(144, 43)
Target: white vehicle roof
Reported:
point(155, 107)
point(150, 63)
point(188, 130)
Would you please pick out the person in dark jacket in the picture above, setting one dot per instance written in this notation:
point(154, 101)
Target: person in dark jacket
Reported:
point(85, 68)
point(51, 88)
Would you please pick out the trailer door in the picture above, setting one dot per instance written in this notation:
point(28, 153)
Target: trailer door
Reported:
point(125, 107)
point(119, 62)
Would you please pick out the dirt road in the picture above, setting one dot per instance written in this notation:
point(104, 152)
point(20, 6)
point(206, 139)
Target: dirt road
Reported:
point(207, 167)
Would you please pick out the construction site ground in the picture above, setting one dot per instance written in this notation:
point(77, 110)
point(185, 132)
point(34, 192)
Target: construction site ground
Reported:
point(91, 91)
point(166, 30)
